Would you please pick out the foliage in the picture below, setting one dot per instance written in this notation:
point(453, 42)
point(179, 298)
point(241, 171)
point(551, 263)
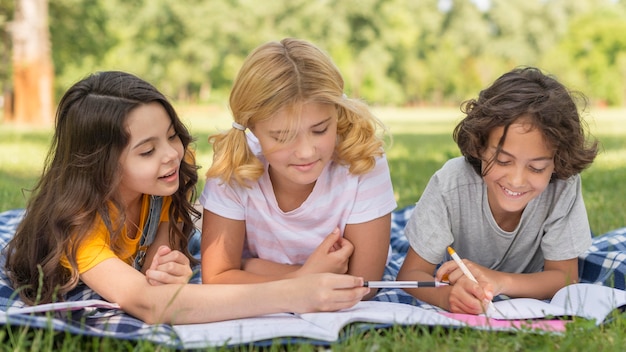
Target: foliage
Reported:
point(391, 52)
point(6, 8)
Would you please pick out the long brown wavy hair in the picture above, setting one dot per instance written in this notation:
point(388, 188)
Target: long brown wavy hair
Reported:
point(551, 107)
point(80, 182)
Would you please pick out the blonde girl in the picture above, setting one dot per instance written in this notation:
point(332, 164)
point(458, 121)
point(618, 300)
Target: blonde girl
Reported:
point(300, 183)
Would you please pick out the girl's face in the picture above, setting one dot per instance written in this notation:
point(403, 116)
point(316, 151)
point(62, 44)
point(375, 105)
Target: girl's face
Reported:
point(300, 161)
point(520, 172)
point(151, 160)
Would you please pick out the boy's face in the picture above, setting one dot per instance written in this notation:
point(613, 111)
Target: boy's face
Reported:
point(519, 173)
point(151, 161)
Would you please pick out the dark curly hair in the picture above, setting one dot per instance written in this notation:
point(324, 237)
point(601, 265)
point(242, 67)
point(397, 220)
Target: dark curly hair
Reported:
point(550, 107)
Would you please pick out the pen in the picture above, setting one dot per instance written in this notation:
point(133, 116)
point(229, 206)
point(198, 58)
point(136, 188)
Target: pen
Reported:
point(403, 284)
point(461, 265)
point(465, 270)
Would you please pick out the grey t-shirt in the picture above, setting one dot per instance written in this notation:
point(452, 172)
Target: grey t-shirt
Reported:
point(454, 211)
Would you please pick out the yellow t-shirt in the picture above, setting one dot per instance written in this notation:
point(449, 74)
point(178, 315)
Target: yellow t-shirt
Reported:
point(97, 246)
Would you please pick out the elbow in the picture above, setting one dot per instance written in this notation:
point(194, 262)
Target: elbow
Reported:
point(145, 311)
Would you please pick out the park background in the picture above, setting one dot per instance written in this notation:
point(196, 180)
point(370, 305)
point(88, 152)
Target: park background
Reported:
point(391, 52)
point(413, 61)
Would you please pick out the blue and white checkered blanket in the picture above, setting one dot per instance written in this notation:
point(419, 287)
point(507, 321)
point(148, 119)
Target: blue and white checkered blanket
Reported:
point(604, 263)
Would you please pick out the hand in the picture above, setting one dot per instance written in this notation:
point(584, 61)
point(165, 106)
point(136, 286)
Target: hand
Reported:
point(168, 267)
point(331, 256)
point(324, 292)
point(466, 296)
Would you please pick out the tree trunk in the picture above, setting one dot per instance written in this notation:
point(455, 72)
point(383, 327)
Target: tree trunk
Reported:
point(32, 64)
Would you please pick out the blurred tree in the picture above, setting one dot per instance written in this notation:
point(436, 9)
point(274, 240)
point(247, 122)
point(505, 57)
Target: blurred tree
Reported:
point(596, 48)
point(80, 38)
point(464, 35)
point(32, 63)
point(6, 9)
point(390, 52)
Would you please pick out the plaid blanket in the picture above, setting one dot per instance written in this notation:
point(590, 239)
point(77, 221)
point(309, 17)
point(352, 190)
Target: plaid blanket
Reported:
point(604, 263)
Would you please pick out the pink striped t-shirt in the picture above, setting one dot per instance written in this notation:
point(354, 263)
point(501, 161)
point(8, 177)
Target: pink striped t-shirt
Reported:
point(338, 198)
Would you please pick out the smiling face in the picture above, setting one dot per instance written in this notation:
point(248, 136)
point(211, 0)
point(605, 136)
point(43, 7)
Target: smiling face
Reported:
point(298, 161)
point(519, 172)
point(151, 160)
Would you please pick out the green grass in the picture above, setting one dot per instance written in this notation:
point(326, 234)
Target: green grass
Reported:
point(420, 145)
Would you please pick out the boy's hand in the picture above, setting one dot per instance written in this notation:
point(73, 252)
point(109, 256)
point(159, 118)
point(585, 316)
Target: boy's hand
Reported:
point(466, 296)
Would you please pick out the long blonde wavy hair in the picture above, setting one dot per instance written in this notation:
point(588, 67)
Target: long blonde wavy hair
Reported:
point(287, 75)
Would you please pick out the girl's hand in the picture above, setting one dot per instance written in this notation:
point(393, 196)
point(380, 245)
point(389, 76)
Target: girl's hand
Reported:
point(467, 296)
point(331, 256)
point(323, 292)
point(168, 267)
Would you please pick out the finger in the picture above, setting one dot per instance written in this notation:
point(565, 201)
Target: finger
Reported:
point(330, 241)
point(163, 277)
point(464, 301)
point(445, 269)
point(344, 242)
point(483, 293)
point(174, 256)
point(154, 282)
point(344, 251)
point(164, 250)
point(350, 295)
point(339, 281)
point(174, 269)
point(488, 288)
point(452, 274)
point(154, 277)
point(349, 281)
point(161, 251)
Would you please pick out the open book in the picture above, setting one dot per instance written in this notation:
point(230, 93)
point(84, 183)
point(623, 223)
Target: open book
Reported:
point(324, 326)
point(588, 301)
point(583, 300)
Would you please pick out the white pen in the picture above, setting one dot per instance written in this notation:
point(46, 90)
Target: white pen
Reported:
point(403, 284)
point(465, 270)
point(461, 265)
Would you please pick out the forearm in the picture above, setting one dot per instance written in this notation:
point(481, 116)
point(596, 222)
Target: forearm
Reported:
point(187, 304)
point(541, 285)
point(192, 303)
point(438, 296)
point(269, 268)
point(254, 270)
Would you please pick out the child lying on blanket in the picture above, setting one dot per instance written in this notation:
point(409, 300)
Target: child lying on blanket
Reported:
point(116, 193)
point(512, 206)
point(307, 189)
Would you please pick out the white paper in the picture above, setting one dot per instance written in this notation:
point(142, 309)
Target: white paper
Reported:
point(584, 300)
point(62, 306)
